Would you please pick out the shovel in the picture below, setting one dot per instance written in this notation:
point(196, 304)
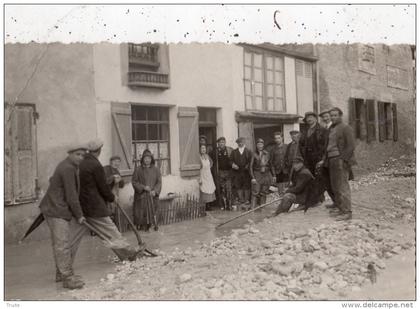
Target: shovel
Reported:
point(131, 224)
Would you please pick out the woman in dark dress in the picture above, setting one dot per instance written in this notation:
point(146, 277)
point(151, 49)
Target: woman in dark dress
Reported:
point(147, 184)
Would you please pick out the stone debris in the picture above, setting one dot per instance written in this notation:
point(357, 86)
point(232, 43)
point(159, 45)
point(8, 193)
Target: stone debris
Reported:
point(262, 262)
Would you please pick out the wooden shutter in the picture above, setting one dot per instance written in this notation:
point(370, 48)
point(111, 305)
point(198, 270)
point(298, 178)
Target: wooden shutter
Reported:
point(188, 141)
point(361, 119)
point(8, 157)
point(121, 135)
point(246, 130)
point(352, 114)
point(370, 120)
point(395, 121)
point(24, 161)
point(381, 121)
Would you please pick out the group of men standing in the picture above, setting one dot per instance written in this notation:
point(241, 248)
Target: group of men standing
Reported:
point(316, 160)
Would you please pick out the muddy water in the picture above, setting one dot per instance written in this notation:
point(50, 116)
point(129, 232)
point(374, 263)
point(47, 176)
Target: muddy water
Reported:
point(29, 267)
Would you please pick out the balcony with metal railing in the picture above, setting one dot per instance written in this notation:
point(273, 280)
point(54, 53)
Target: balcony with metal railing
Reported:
point(148, 79)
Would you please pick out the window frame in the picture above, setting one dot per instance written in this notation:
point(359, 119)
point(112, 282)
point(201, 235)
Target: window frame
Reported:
point(264, 54)
point(147, 141)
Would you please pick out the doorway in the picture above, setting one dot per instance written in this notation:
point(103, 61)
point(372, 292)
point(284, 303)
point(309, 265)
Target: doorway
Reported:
point(266, 131)
point(207, 125)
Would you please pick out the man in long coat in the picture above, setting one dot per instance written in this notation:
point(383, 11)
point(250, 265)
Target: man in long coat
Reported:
point(278, 162)
point(241, 159)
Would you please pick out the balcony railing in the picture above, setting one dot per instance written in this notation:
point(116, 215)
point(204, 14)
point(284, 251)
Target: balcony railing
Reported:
point(148, 79)
point(143, 54)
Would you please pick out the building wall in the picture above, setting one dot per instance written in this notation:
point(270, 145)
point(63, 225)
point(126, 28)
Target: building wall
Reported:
point(204, 75)
point(340, 79)
point(62, 89)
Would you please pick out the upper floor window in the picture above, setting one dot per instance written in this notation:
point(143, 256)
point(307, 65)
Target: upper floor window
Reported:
point(264, 81)
point(148, 65)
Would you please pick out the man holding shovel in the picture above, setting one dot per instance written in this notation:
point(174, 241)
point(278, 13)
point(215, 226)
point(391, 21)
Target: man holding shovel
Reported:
point(59, 206)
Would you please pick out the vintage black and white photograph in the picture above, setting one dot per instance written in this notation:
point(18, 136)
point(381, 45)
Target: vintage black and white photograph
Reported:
point(232, 152)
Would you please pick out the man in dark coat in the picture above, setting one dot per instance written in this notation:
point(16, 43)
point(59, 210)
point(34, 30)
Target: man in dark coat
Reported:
point(59, 206)
point(292, 151)
point(278, 162)
point(299, 190)
point(338, 160)
point(94, 195)
point(241, 158)
point(261, 177)
point(222, 171)
point(312, 146)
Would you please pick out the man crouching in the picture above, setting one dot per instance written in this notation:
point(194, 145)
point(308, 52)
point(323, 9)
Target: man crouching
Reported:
point(298, 192)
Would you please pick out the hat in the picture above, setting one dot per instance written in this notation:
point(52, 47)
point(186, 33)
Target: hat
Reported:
point(310, 114)
point(294, 132)
point(95, 145)
point(115, 158)
point(260, 140)
point(76, 147)
point(203, 136)
point(297, 160)
point(221, 139)
point(324, 112)
point(240, 140)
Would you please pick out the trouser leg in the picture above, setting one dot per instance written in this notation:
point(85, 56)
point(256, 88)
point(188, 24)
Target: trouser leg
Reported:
point(256, 187)
point(286, 203)
point(339, 174)
point(108, 228)
point(60, 236)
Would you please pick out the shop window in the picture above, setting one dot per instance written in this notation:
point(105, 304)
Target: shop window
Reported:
point(150, 130)
point(20, 154)
point(263, 81)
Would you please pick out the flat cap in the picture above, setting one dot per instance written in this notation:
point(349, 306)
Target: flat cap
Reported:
point(294, 132)
point(221, 139)
point(260, 140)
point(115, 158)
point(310, 114)
point(76, 147)
point(324, 112)
point(203, 136)
point(297, 160)
point(95, 144)
point(240, 140)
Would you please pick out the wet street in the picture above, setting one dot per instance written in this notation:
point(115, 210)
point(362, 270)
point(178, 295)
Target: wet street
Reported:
point(29, 266)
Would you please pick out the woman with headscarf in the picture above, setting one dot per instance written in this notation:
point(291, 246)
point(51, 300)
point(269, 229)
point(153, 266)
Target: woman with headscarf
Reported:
point(147, 184)
point(207, 186)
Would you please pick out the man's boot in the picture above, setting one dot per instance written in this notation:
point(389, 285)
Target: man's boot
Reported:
point(240, 196)
point(253, 202)
point(262, 202)
point(73, 282)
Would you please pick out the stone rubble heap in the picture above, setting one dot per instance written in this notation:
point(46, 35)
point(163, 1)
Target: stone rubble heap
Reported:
point(326, 260)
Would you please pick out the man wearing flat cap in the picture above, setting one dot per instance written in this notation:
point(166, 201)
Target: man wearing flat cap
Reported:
point(241, 158)
point(299, 190)
point(312, 146)
point(278, 160)
point(326, 119)
point(94, 195)
point(115, 183)
point(292, 151)
point(222, 170)
point(261, 177)
point(60, 206)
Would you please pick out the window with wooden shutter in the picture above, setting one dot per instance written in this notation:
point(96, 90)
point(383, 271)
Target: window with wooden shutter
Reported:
point(121, 135)
point(188, 141)
point(395, 121)
point(21, 154)
point(352, 115)
point(370, 120)
point(388, 121)
point(381, 121)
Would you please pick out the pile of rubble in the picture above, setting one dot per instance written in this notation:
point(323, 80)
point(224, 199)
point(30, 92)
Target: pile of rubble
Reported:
point(327, 260)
